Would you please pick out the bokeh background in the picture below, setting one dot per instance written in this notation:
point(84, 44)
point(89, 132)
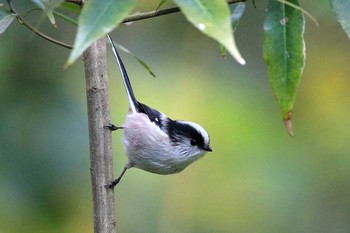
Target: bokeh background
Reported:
point(257, 179)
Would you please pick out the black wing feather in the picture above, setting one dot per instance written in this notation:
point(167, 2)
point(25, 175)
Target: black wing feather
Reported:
point(153, 114)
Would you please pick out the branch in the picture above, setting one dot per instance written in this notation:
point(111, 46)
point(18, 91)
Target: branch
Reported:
point(22, 21)
point(152, 14)
point(131, 18)
point(78, 2)
point(100, 138)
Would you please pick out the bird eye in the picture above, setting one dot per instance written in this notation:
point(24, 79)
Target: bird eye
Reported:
point(193, 142)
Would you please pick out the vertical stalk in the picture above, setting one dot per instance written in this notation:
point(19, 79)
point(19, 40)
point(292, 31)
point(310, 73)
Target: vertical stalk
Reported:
point(100, 138)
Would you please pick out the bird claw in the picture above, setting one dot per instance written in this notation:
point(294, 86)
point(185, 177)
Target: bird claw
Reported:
point(112, 184)
point(113, 127)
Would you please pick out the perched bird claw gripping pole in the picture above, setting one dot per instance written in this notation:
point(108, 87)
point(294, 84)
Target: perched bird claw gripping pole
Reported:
point(113, 127)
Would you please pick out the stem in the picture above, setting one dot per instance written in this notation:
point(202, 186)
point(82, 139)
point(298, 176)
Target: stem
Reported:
point(100, 137)
point(131, 18)
point(22, 21)
point(156, 13)
point(78, 2)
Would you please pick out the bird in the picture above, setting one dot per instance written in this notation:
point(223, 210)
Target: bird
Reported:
point(154, 142)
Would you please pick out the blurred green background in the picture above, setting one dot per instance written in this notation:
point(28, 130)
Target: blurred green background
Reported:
point(257, 179)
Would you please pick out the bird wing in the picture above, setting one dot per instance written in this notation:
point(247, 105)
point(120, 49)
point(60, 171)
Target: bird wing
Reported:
point(154, 115)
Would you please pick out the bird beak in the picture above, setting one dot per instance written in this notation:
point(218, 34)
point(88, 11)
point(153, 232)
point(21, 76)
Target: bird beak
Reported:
point(208, 148)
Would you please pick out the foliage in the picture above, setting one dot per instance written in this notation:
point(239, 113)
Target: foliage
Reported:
point(96, 20)
point(257, 180)
point(284, 53)
point(283, 48)
point(6, 19)
point(341, 9)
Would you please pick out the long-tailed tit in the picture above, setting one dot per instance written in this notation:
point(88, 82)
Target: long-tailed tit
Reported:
point(154, 142)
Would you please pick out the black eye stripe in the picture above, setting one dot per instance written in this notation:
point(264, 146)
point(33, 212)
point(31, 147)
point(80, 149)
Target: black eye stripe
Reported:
point(179, 131)
point(193, 142)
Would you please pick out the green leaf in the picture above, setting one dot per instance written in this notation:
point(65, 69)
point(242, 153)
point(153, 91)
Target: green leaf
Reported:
point(301, 9)
point(72, 7)
point(284, 53)
point(6, 19)
point(237, 10)
point(341, 9)
point(213, 19)
point(142, 63)
point(254, 4)
point(96, 20)
point(47, 6)
point(66, 18)
point(160, 4)
point(223, 51)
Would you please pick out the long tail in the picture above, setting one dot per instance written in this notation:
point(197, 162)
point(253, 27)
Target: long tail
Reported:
point(131, 97)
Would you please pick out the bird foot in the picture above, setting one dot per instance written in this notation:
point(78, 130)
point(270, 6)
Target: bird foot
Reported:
point(113, 127)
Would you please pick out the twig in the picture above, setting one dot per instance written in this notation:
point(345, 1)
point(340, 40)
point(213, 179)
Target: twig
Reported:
point(131, 18)
point(42, 35)
point(78, 2)
point(156, 13)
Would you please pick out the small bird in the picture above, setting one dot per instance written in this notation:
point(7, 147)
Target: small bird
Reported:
point(153, 142)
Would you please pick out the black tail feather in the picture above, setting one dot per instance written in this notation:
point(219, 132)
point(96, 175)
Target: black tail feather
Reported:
point(134, 104)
